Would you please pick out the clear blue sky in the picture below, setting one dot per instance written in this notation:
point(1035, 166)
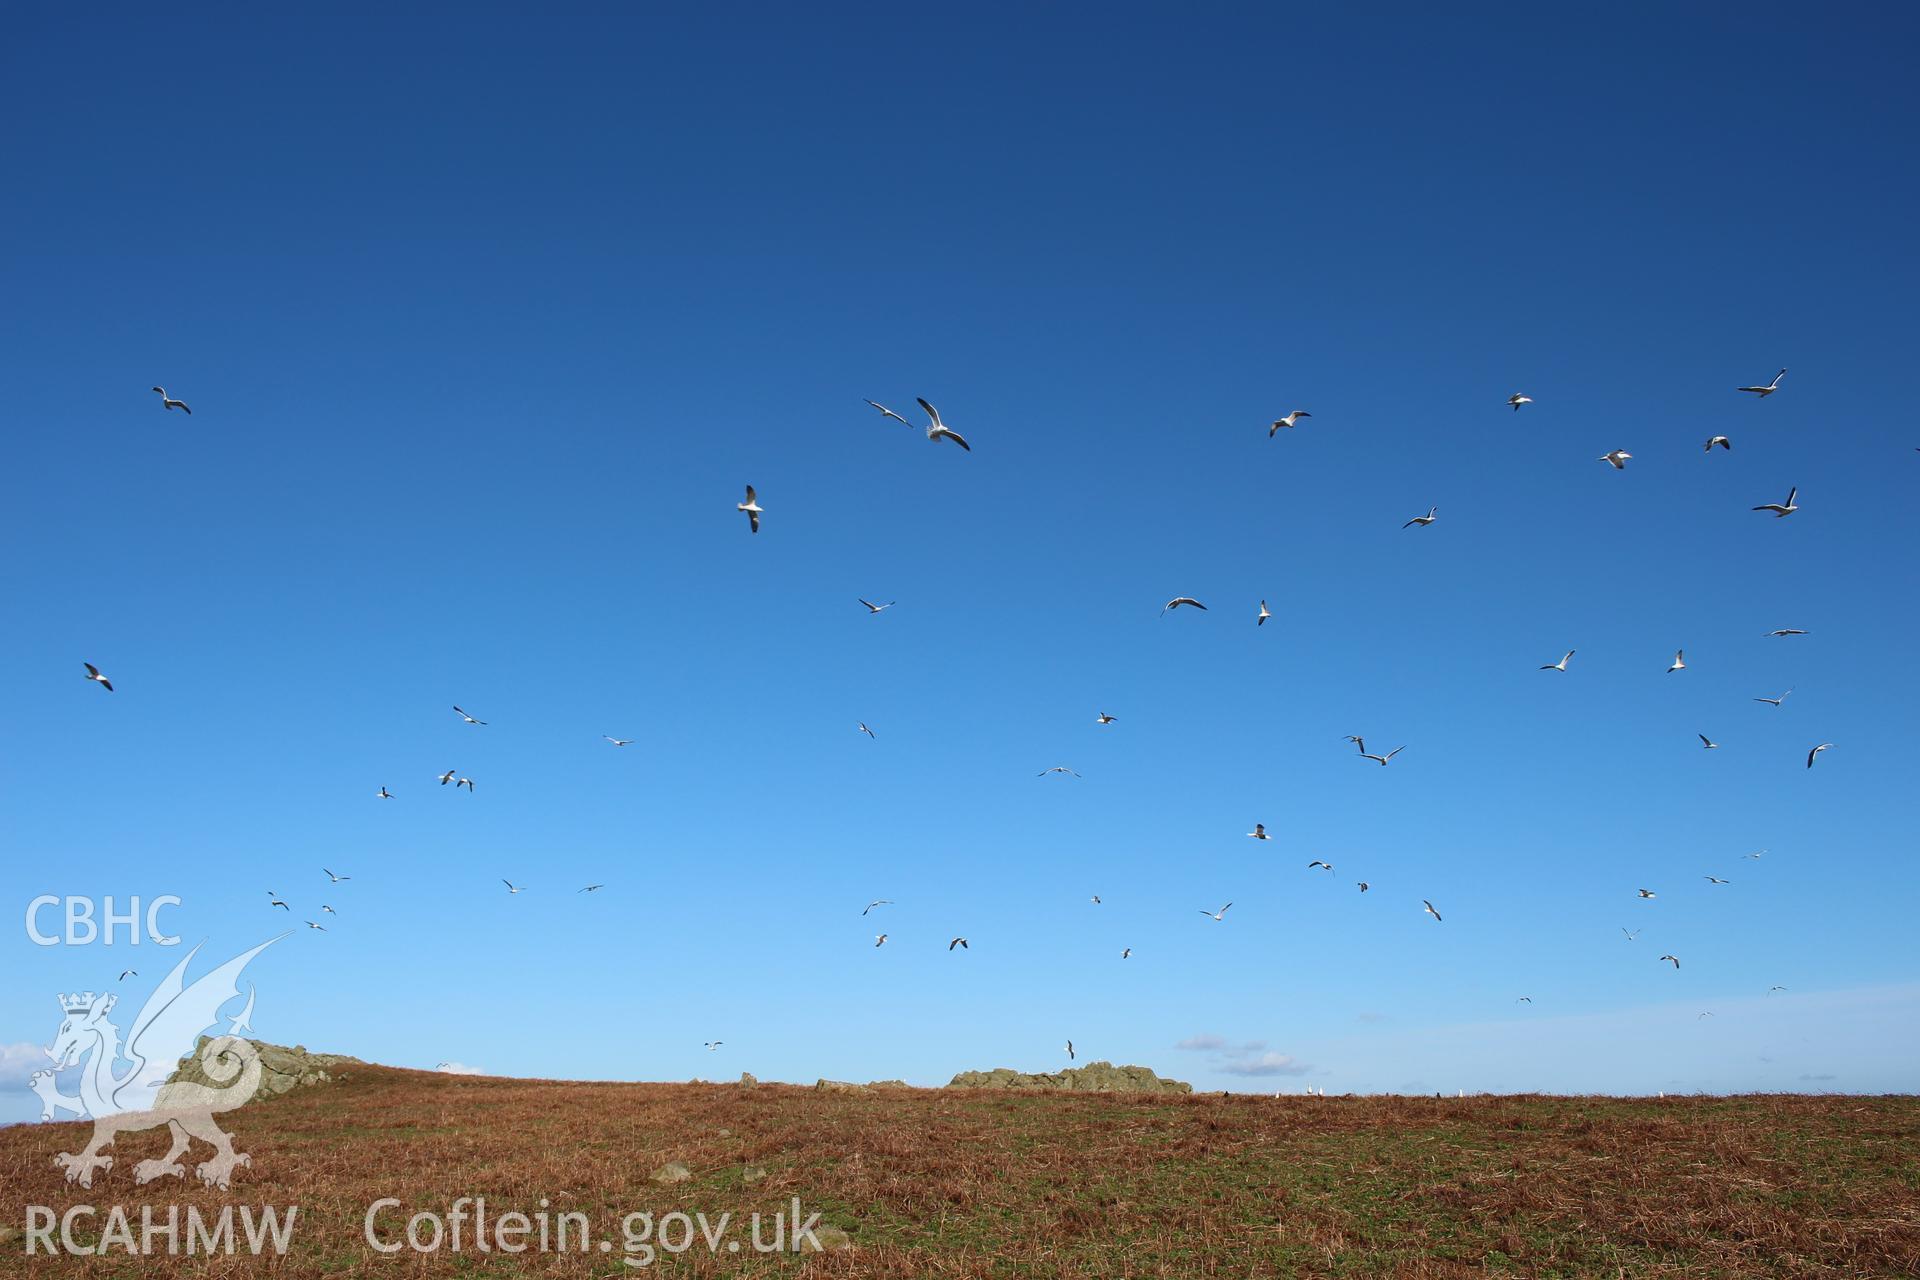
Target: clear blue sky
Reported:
point(486, 317)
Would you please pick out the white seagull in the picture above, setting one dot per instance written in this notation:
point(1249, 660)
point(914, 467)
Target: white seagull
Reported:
point(311, 925)
point(1785, 631)
point(879, 939)
point(711, 1045)
point(514, 888)
point(619, 742)
point(1126, 952)
point(1707, 742)
point(1059, 768)
point(1288, 422)
point(1617, 458)
point(1433, 513)
point(1716, 880)
point(383, 794)
point(1560, 665)
point(1780, 509)
point(1774, 702)
point(1825, 746)
point(463, 782)
point(753, 509)
point(878, 608)
point(1648, 893)
point(889, 413)
point(1215, 915)
point(1260, 619)
point(334, 879)
point(1364, 886)
point(590, 888)
point(1631, 933)
point(464, 716)
point(1095, 899)
point(960, 943)
point(93, 674)
point(1516, 400)
point(1177, 601)
point(877, 902)
point(936, 429)
point(1429, 910)
point(1679, 661)
point(863, 728)
point(446, 777)
point(1327, 866)
point(1069, 1050)
point(1104, 718)
point(1259, 832)
point(1769, 389)
point(1722, 441)
point(1382, 760)
point(1675, 959)
point(167, 402)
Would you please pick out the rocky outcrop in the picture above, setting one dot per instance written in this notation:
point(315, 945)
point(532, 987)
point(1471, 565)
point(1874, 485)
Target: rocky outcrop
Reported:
point(281, 1069)
point(1095, 1077)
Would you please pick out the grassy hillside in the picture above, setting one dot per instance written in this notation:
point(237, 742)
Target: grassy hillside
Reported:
point(954, 1184)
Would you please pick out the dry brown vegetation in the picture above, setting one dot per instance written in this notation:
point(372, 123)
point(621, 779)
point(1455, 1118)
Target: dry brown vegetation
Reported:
point(933, 1183)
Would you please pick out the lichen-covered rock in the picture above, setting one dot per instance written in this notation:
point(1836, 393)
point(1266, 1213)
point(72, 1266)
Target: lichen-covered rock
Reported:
point(1095, 1077)
point(281, 1069)
point(840, 1086)
point(672, 1171)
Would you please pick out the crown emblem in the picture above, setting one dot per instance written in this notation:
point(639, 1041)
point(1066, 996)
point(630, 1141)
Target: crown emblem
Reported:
point(79, 1002)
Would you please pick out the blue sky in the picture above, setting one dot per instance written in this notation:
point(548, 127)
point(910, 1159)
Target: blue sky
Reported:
point(487, 316)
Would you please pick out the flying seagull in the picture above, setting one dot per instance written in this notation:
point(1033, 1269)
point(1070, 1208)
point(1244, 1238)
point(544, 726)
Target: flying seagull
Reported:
point(1524, 1000)
point(1177, 601)
point(311, 925)
point(1433, 513)
point(1769, 389)
point(936, 429)
point(619, 742)
point(877, 902)
point(1785, 631)
point(513, 888)
point(1648, 893)
point(463, 782)
point(1722, 441)
point(329, 910)
point(1059, 768)
point(753, 509)
point(1104, 718)
point(1631, 933)
point(1616, 457)
point(879, 939)
point(711, 1045)
point(878, 608)
point(1560, 665)
point(592, 888)
point(1126, 952)
point(334, 879)
point(1780, 509)
point(1825, 746)
point(1095, 899)
point(167, 402)
point(1679, 661)
point(1259, 832)
point(383, 794)
point(960, 943)
point(1430, 911)
point(1215, 915)
point(1364, 886)
point(446, 777)
point(1674, 959)
point(1288, 422)
point(889, 413)
point(93, 674)
point(464, 716)
point(1328, 866)
point(1516, 400)
point(1069, 1050)
point(1757, 853)
point(1771, 990)
point(1774, 702)
point(273, 901)
point(1707, 742)
point(1260, 620)
point(1717, 880)
point(863, 728)
point(1382, 760)
point(1707, 1014)
point(134, 973)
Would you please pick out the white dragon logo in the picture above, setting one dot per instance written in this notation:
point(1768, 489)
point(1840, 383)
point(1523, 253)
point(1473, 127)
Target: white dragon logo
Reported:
point(163, 1034)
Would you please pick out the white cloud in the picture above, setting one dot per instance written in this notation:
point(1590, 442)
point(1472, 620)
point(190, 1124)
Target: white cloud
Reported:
point(1265, 1064)
point(459, 1069)
point(1202, 1043)
point(18, 1062)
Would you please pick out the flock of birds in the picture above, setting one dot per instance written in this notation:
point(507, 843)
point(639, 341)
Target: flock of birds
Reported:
point(936, 431)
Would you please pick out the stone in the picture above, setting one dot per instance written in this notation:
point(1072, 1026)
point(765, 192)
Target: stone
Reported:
point(747, 1080)
point(840, 1086)
point(672, 1171)
point(281, 1069)
point(1095, 1077)
point(753, 1173)
point(827, 1240)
